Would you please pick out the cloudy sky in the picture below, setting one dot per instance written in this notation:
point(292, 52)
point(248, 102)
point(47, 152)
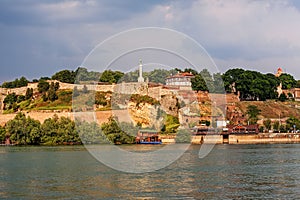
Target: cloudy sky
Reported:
point(39, 38)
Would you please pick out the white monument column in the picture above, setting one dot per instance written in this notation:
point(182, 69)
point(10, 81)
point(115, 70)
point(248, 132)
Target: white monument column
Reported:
point(141, 78)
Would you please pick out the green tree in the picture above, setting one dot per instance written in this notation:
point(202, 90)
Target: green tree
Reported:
point(45, 78)
point(59, 131)
point(288, 81)
point(82, 74)
point(276, 126)
point(207, 77)
point(8, 85)
point(253, 112)
point(90, 133)
point(111, 130)
point(22, 82)
point(159, 75)
point(2, 134)
point(252, 85)
point(230, 77)
point(111, 76)
point(45, 97)
point(23, 130)
point(198, 83)
point(29, 93)
point(282, 128)
point(171, 124)
point(297, 84)
point(218, 84)
point(20, 98)
point(100, 98)
point(16, 83)
point(290, 122)
point(56, 86)
point(114, 133)
point(9, 100)
point(261, 129)
point(65, 76)
point(267, 124)
point(131, 76)
point(282, 97)
point(52, 96)
point(49, 130)
point(43, 86)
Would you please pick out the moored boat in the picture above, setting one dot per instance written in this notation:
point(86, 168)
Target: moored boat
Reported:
point(147, 136)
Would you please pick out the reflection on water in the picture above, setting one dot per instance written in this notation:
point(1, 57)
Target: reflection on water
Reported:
point(137, 158)
point(228, 172)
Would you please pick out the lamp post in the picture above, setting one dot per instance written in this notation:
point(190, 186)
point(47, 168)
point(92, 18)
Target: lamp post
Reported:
point(279, 123)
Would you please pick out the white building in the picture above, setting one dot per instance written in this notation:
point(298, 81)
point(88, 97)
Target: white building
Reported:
point(180, 79)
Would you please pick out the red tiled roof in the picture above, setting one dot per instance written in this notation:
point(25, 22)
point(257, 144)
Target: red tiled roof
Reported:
point(183, 74)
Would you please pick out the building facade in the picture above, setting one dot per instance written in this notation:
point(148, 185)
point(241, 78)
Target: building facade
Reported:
point(181, 80)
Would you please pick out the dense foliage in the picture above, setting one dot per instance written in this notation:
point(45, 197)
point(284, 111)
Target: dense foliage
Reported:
point(10, 101)
point(155, 76)
point(143, 99)
point(101, 98)
point(159, 75)
point(48, 90)
point(253, 112)
point(292, 124)
point(268, 124)
point(251, 85)
point(276, 126)
point(65, 76)
point(115, 133)
point(24, 130)
point(171, 125)
point(2, 133)
point(288, 81)
point(16, 83)
point(43, 86)
point(205, 81)
point(111, 76)
point(254, 85)
point(80, 74)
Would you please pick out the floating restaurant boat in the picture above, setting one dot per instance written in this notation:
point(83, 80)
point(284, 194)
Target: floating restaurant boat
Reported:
point(146, 136)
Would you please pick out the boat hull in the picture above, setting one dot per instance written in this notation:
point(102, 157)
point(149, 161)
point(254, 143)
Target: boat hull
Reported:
point(150, 142)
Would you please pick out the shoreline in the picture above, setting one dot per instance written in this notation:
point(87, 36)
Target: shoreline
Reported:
point(261, 138)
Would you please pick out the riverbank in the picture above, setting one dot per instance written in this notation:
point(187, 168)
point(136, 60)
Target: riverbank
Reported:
point(261, 138)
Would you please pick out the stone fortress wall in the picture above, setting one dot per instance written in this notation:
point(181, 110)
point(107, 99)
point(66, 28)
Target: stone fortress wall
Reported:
point(141, 87)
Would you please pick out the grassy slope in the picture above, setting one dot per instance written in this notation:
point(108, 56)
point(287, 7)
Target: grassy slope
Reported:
point(272, 109)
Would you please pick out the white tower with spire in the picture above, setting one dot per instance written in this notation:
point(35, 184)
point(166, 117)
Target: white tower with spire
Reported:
point(141, 78)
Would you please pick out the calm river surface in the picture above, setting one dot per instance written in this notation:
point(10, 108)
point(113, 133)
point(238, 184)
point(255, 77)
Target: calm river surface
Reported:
point(270, 171)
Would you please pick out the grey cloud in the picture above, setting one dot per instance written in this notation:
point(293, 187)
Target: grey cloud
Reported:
point(40, 37)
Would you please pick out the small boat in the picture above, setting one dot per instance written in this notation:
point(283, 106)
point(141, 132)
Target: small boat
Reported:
point(146, 136)
point(154, 142)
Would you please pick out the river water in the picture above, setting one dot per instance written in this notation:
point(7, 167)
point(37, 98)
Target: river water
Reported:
point(269, 171)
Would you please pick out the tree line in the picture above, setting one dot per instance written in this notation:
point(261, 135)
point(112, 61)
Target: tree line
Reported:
point(251, 85)
point(292, 124)
point(47, 90)
point(24, 130)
